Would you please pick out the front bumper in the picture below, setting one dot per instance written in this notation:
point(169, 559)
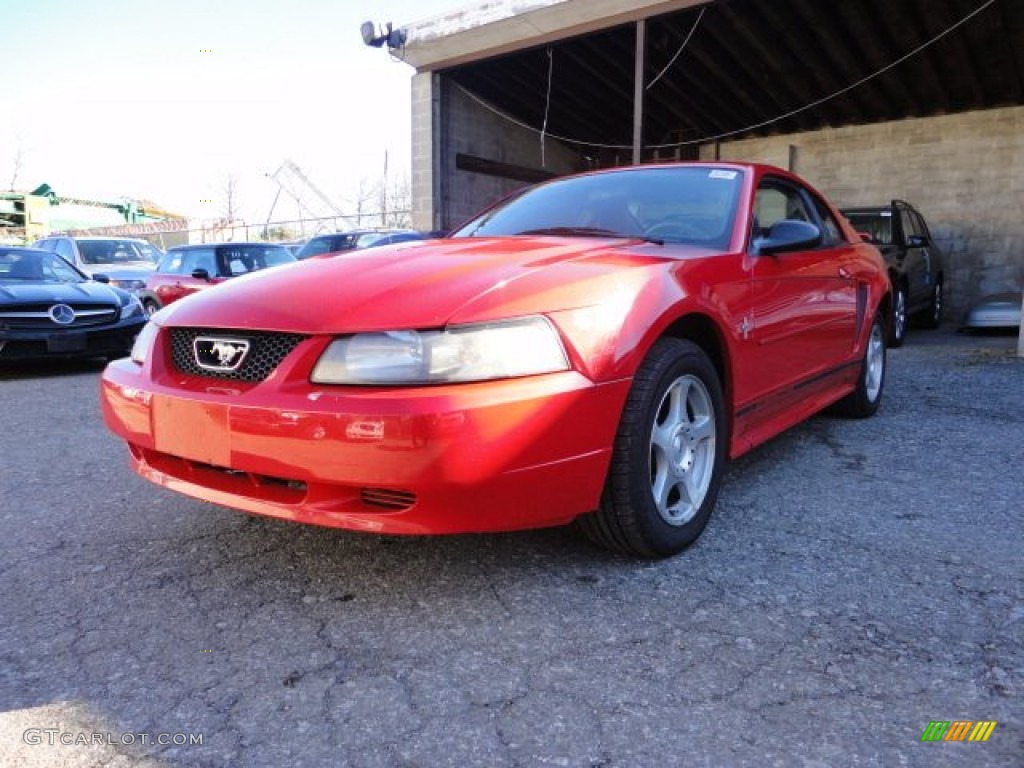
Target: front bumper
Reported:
point(108, 341)
point(492, 456)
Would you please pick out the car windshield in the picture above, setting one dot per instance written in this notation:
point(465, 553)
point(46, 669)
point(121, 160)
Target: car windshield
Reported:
point(117, 252)
point(36, 266)
point(673, 205)
point(876, 224)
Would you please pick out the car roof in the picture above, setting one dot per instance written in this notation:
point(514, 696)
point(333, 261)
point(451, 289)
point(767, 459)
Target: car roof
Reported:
point(25, 248)
point(370, 231)
point(233, 244)
point(105, 237)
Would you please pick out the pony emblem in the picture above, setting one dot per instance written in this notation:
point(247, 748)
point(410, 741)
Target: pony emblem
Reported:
point(221, 355)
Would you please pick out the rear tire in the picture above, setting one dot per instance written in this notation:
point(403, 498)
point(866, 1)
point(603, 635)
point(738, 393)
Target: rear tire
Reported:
point(668, 457)
point(150, 306)
point(865, 399)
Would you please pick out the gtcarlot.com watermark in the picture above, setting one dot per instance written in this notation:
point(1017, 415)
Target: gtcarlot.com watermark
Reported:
point(52, 737)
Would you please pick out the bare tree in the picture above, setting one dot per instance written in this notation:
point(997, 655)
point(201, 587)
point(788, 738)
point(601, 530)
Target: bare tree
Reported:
point(19, 158)
point(364, 195)
point(400, 200)
point(393, 200)
point(231, 205)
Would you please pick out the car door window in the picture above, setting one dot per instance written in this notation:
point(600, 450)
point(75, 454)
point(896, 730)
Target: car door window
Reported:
point(171, 264)
point(919, 226)
point(200, 258)
point(776, 201)
point(831, 234)
point(909, 225)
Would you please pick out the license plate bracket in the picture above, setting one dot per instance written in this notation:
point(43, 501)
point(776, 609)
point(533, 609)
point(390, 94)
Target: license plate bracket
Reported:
point(66, 342)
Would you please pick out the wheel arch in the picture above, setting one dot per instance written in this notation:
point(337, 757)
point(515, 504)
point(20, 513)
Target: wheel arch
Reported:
point(703, 331)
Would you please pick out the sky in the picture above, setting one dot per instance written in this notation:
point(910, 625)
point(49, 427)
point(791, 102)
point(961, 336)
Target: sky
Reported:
point(167, 101)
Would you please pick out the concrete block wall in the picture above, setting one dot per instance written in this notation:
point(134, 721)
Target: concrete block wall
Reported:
point(964, 172)
point(425, 99)
point(469, 127)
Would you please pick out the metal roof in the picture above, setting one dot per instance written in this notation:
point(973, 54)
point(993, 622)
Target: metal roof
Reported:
point(730, 68)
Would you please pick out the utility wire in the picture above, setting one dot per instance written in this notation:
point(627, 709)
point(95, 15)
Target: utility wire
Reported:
point(680, 51)
point(547, 106)
point(754, 126)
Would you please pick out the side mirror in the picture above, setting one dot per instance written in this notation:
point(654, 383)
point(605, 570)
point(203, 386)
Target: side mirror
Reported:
point(788, 235)
point(200, 274)
point(99, 277)
point(866, 237)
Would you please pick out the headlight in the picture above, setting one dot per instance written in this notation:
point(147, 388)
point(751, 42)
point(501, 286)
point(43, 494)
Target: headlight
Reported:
point(144, 342)
point(129, 285)
point(500, 350)
point(132, 308)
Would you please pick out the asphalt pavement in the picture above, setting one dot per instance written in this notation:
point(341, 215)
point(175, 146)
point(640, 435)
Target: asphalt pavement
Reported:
point(858, 581)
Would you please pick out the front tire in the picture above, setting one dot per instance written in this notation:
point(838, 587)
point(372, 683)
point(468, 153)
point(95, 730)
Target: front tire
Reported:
point(668, 458)
point(932, 317)
point(865, 399)
point(898, 329)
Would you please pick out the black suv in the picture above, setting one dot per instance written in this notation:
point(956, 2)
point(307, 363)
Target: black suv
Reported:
point(913, 259)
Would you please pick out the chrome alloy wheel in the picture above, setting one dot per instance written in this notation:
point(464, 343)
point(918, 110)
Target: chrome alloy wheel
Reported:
point(682, 455)
point(899, 315)
point(875, 368)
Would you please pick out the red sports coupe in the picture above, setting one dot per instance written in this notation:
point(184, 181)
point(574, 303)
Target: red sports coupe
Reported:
point(592, 349)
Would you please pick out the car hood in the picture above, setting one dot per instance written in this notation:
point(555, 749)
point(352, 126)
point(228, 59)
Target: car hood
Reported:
point(140, 272)
point(42, 292)
point(421, 284)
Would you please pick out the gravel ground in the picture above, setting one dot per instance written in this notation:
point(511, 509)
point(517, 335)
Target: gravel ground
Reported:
point(858, 580)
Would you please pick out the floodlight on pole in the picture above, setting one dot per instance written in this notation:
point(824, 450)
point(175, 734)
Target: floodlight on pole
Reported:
point(376, 38)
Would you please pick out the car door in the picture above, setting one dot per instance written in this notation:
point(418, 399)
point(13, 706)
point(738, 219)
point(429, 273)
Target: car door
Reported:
point(804, 302)
point(179, 279)
point(917, 257)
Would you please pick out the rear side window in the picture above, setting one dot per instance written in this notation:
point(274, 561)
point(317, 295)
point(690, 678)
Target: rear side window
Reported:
point(876, 224)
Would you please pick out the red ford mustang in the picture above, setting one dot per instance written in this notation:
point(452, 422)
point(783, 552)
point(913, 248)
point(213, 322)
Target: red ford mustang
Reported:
point(592, 349)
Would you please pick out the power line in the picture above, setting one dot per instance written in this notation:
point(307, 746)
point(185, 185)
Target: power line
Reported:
point(745, 129)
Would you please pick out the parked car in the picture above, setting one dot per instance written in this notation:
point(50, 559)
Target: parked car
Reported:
point(125, 261)
point(593, 348)
point(293, 245)
point(186, 269)
point(337, 242)
point(915, 262)
point(48, 308)
point(996, 311)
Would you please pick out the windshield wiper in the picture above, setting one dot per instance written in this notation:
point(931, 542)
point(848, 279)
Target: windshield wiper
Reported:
point(571, 232)
point(588, 232)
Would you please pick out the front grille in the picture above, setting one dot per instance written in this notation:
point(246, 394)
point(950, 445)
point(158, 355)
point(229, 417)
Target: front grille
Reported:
point(266, 351)
point(36, 317)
